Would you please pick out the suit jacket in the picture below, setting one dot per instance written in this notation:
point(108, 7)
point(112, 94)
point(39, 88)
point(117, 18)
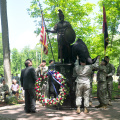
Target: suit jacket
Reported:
point(28, 78)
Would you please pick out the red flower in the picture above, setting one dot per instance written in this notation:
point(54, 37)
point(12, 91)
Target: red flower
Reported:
point(64, 93)
point(52, 100)
point(39, 99)
point(56, 98)
point(63, 89)
point(61, 86)
point(63, 83)
point(55, 76)
point(60, 93)
point(38, 86)
point(36, 94)
point(36, 90)
point(39, 91)
point(60, 98)
point(35, 87)
point(45, 104)
point(59, 76)
point(42, 95)
point(47, 100)
point(59, 80)
point(43, 100)
point(39, 95)
point(55, 102)
point(57, 72)
point(36, 80)
point(46, 76)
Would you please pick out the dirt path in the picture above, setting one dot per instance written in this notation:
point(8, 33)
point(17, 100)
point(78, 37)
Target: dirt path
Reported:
point(16, 112)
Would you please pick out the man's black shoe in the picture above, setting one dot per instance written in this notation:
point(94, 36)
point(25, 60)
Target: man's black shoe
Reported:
point(27, 111)
point(34, 111)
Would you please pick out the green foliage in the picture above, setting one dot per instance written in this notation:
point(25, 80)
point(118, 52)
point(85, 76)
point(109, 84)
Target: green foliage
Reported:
point(113, 20)
point(11, 100)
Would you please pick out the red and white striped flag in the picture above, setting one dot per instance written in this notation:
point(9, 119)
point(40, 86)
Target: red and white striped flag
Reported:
point(43, 39)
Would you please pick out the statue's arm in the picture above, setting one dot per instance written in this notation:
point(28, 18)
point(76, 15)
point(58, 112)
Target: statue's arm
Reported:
point(53, 31)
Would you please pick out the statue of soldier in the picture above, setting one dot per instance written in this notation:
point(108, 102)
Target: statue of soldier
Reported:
point(65, 36)
point(110, 69)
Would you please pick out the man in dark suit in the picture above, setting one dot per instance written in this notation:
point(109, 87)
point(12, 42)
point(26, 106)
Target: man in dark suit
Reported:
point(28, 78)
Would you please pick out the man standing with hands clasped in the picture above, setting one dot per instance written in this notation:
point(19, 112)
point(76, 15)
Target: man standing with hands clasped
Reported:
point(28, 78)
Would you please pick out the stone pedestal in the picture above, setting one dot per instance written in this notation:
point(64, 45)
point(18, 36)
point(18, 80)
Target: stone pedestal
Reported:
point(67, 71)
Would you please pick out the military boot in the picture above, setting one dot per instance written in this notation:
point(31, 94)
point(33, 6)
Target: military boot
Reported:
point(78, 110)
point(90, 104)
point(109, 103)
point(99, 106)
point(104, 106)
point(86, 110)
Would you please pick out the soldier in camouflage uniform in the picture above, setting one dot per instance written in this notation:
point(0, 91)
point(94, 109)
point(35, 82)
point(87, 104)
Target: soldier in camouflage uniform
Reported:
point(118, 74)
point(101, 86)
point(41, 69)
point(91, 81)
point(110, 69)
point(83, 82)
point(5, 88)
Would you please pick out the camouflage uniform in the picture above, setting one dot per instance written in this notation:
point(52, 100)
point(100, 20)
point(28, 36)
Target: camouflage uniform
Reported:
point(91, 81)
point(41, 70)
point(101, 86)
point(110, 70)
point(118, 74)
point(83, 82)
point(5, 88)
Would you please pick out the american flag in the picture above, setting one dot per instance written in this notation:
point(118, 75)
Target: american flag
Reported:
point(43, 39)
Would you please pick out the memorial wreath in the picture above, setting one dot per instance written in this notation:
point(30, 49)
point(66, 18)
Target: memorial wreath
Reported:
point(60, 79)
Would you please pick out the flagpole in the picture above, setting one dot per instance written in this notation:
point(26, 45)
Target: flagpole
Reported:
point(41, 59)
point(47, 32)
point(41, 53)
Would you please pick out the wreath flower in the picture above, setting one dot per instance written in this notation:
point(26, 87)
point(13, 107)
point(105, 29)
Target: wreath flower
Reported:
point(63, 91)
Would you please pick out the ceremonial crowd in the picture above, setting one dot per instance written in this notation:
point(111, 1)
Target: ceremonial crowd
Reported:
point(84, 78)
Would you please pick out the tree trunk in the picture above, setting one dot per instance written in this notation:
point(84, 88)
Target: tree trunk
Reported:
point(5, 42)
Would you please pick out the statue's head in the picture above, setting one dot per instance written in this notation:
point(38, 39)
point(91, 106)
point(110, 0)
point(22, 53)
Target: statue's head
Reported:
point(61, 15)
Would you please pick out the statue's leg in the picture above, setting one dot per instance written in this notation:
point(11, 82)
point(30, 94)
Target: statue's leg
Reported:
point(61, 55)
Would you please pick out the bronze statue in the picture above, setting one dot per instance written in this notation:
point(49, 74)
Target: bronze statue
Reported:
point(65, 36)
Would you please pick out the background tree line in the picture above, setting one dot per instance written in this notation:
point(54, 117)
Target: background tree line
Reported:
point(81, 18)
